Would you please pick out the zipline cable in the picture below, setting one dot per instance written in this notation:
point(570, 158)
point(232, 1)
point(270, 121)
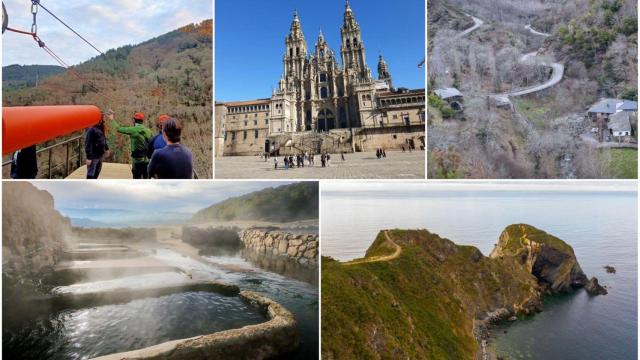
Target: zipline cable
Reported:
point(33, 33)
point(67, 26)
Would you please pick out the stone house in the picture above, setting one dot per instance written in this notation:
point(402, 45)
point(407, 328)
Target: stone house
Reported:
point(452, 96)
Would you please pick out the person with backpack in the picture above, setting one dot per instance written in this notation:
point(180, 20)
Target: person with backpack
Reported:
point(139, 136)
point(157, 141)
point(24, 163)
point(96, 147)
point(175, 160)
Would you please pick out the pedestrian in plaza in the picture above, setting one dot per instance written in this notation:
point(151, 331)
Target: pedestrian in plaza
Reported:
point(286, 163)
point(342, 155)
point(328, 160)
point(275, 162)
point(323, 160)
point(384, 153)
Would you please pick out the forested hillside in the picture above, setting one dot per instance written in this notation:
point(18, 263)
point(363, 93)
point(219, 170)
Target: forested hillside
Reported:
point(20, 76)
point(169, 74)
point(527, 71)
point(284, 203)
point(600, 38)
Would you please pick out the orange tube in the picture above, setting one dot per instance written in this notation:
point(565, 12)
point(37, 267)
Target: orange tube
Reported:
point(24, 126)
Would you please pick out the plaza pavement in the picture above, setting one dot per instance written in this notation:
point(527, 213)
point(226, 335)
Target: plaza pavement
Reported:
point(397, 165)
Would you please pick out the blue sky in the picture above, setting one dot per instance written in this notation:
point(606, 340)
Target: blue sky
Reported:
point(250, 39)
point(119, 203)
point(106, 23)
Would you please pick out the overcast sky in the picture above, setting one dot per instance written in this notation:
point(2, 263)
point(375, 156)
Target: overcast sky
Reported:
point(107, 24)
point(529, 186)
point(142, 203)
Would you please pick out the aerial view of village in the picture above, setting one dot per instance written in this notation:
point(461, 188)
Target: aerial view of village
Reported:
point(300, 97)
point(532, 89)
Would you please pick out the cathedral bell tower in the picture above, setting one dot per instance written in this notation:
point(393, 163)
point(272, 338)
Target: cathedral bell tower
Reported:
point(295, 53)
point(383, 72)
point(352, 48)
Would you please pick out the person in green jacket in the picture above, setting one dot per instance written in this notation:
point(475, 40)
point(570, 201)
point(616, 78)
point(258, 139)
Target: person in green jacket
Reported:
point(140, 136)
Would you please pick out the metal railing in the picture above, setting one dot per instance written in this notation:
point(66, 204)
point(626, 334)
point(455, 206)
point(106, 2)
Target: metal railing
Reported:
point(73, 144)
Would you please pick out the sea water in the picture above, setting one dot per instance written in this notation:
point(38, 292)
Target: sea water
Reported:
point(600, 226)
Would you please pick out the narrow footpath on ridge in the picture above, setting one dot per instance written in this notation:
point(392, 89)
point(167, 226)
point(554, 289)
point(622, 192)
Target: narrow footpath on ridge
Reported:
point(373, 259)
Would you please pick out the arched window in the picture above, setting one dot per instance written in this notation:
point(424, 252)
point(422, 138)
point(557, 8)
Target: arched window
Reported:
point(326, 121)
point(321, 52)
point(291, 52)
point(355, 42)
point(348, 44)
point(308, 121)
point(324, 93)
point(323, 77)
point(297, 51)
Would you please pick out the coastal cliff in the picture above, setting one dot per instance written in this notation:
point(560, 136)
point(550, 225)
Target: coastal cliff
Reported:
point(417, 295)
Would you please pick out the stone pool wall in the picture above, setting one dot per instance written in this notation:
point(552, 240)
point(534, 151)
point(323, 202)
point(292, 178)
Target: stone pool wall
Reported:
point(300, 247)
point(115, 235)
point(277, 336)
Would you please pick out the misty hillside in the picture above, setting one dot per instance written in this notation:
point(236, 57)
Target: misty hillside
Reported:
point(20, 76)
point(169, 74)
point(284, 203)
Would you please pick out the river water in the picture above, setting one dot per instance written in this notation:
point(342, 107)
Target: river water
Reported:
point(601, 227)
point(101, 330)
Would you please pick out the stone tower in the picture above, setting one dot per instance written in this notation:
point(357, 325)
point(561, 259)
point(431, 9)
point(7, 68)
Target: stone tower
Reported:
point(295, 53)
point(352, 48)
point(383, 72)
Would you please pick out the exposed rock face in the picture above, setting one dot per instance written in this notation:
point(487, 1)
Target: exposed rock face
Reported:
point(33, 232)
point(546, 257)
point(594, 288)
point(301, 247)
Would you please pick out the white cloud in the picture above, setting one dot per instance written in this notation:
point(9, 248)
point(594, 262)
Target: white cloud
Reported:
point(149, 197)
point(107, 24)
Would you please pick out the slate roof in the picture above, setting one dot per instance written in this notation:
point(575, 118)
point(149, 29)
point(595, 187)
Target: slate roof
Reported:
point(447, 93)
point(612, 106)
point(620, 122)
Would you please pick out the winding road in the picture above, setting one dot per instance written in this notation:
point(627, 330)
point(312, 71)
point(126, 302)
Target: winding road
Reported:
point(529, 59)
point(372, 259)
point(477, 23)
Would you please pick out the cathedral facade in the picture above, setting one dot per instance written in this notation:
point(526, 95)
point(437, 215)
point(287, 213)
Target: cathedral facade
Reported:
point(318, 94)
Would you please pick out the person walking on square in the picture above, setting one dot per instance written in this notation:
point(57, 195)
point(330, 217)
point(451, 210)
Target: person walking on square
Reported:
point(286, 163)
point(275, 162)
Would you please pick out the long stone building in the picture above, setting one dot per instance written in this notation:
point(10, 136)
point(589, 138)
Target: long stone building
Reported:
point(321, 104)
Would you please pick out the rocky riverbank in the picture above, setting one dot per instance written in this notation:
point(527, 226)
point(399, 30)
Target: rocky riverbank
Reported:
point(300, 247)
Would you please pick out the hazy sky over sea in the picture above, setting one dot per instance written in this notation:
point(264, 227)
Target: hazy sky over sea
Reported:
point(107, 24)
point(526, 186)
point(121, 203)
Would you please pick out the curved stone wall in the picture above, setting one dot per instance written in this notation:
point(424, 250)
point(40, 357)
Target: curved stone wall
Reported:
point(301, 247)
point(275, 337)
